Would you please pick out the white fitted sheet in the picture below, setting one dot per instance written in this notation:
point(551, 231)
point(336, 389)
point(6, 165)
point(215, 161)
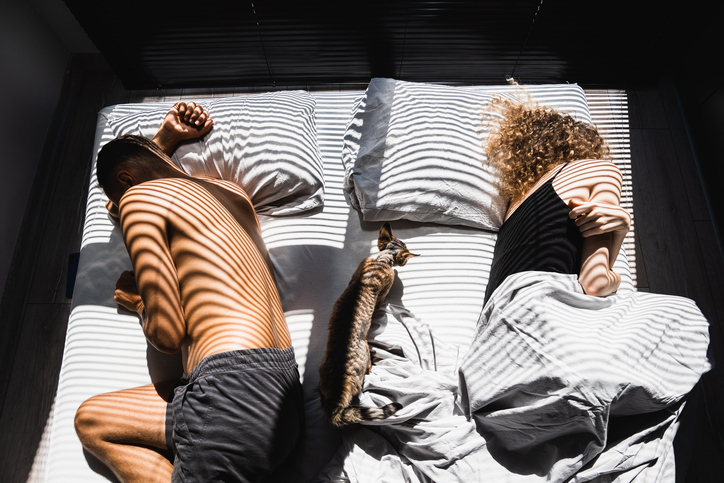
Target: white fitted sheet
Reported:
point(314, 255)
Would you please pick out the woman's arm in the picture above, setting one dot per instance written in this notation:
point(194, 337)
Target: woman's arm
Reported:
point(596, 276)
point(598, 218)
point(593, 189)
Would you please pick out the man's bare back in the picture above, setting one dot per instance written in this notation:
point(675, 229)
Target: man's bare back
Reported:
point(200, 271)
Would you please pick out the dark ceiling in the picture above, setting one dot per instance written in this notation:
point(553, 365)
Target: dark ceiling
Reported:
point(152, 44)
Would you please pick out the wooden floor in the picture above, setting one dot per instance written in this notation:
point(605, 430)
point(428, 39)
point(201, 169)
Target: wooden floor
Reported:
point(676, 253)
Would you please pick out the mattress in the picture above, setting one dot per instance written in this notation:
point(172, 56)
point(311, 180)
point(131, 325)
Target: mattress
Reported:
point(314, 255)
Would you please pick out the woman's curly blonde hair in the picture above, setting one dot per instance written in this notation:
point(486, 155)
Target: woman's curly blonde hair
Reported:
point(526, 140)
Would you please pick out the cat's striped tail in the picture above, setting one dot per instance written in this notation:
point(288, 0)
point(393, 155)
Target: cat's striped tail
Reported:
point(351, 415)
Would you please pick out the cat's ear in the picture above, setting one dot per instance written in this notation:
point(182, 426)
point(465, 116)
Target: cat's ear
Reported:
point(385, 236)
point(403, 256)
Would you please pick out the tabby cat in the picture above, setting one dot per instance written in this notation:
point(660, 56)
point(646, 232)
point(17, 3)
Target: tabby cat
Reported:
point(348, 359)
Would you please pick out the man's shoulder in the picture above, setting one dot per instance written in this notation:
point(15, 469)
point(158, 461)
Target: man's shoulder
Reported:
point(228, 185)
point(176, 185)
point(151, 196)
point(176, 195)
point(160, 188)
point(173, 184)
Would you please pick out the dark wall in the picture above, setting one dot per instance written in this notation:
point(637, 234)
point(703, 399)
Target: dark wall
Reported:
point(33, 64)
point(274, 42)
point(698, 72)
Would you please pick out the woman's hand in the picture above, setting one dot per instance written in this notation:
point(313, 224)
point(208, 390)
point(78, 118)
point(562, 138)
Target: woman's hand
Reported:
point(126, 294)
point(598, 218)
point(185, 120)
point(594, 219)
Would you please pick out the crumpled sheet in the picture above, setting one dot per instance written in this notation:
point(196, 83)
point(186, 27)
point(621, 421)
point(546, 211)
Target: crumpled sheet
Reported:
point(429, 439)
point(560, 382)
point(562, 387)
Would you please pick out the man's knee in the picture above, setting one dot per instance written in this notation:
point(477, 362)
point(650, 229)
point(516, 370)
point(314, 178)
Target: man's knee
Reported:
point(89, 423)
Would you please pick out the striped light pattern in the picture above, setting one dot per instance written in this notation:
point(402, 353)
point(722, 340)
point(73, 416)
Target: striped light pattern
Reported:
point(548, 361)
point(609, 113)
point(300, 327)
point(329, 226)
point(415, 151)
point(265, 143)
point(106, 350)
point(275, 42)
point(445, 286)
point(98, 226)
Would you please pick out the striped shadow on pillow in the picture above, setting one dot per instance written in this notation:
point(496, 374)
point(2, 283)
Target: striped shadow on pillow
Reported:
point(415, 151)
point(265, 143)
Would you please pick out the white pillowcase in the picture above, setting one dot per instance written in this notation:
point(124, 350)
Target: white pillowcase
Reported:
point(265, 143)
point(415, 151)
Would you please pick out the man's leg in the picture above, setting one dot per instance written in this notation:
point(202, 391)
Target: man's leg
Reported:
point(126, 430)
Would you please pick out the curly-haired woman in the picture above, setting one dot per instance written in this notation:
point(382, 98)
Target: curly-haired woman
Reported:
point(555, 378)
point(564, 214)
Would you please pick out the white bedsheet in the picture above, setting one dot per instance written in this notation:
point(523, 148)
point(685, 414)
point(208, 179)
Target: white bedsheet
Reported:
point(555, 377)
point(429, 439)
point(314, 255)
point(567, 387)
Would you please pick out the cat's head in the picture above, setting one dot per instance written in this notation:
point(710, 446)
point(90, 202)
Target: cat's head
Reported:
point(387, 241)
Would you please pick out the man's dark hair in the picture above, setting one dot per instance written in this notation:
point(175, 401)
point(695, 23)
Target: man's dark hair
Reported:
point(129, 151)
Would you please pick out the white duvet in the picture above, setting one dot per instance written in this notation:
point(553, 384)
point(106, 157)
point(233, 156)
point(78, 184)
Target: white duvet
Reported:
point(562, 387)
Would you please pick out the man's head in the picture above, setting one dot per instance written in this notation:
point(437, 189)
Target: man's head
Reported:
point(127, 161)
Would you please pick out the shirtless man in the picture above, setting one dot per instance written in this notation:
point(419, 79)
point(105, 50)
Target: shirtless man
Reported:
point(202, 286)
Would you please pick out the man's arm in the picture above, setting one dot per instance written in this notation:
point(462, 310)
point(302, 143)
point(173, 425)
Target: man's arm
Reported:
point(183, 121)
point(127, 295)
point(144, 231)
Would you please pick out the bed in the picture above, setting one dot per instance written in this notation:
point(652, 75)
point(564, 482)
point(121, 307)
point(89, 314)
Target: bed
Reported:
point(357, 158)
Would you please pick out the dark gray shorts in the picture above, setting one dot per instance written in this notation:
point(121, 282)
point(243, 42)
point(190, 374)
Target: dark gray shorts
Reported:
point(237, 417)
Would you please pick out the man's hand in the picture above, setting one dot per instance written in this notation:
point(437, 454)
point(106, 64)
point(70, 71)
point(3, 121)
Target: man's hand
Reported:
point(598, 218)
point(112, 209)
point(126, 294)
point(185, 120)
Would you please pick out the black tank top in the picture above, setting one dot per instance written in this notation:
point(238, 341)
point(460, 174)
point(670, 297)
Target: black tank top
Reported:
point(537, 236)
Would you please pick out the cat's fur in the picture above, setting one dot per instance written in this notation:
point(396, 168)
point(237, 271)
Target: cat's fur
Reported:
point(347, 359)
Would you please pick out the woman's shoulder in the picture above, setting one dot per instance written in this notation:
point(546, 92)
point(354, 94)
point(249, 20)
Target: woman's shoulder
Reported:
point(603, 166)
point(590, 172)
point(587, 179)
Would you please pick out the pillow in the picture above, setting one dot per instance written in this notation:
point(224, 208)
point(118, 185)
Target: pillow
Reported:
point(265, 143)
point(415, 151)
